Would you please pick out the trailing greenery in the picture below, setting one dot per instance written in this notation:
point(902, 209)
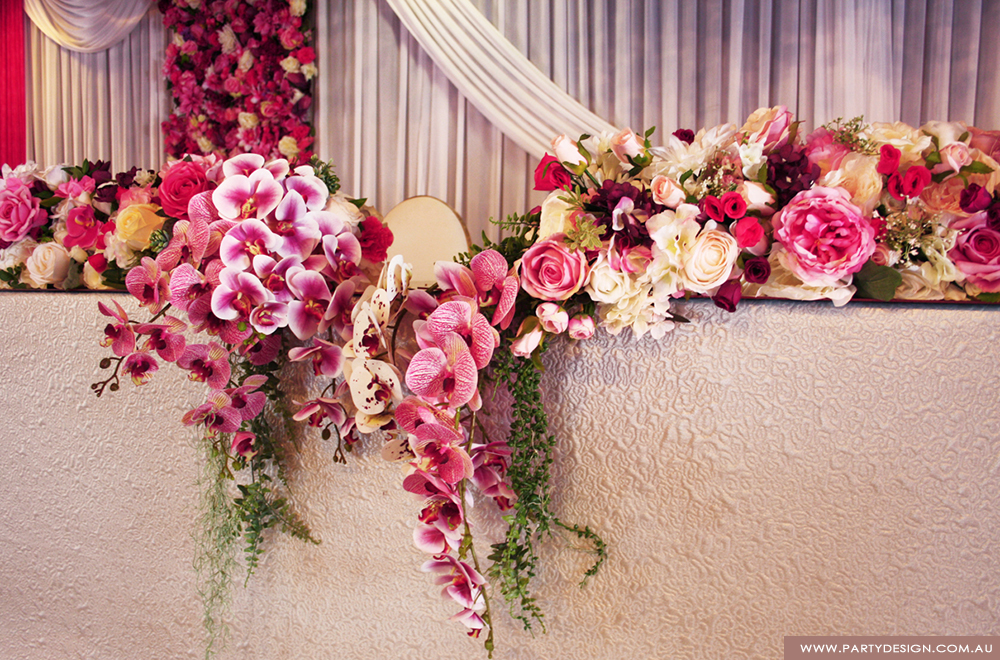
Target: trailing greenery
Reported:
point(325, 171)
point(515, 560)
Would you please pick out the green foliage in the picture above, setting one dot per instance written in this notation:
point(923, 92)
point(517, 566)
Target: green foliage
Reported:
point(521, 231)
point(324, 170)
point(12, 277)
point(515, 559)
point(851, 134)
point(878, 282)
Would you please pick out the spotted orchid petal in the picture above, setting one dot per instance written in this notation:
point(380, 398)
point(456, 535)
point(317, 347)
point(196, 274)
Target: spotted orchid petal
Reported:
point(375, 385)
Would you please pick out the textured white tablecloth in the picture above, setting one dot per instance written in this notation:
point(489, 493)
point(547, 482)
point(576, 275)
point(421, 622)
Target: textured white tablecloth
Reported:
point(789, 469)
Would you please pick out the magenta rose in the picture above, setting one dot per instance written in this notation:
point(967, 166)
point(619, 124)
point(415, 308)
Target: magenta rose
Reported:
point(551, 175)
point(19, 211)
point(977, 253)
point(549, 271)
point(180, 183)
point(826, 236)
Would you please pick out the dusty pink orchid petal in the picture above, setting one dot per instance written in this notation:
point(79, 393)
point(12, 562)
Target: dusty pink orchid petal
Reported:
point(327, 358)
point(203, 319)
point(149, 284)
point(201, 208)
point(504, 312)
point(489, 268)
point(217, 415)
point(237, 295)
point(439, 448)
point(317, 411)
point(455, 277)
point(164, 337)
point(462, 318)
point(188, 244)
point(425, 485)
point(470, 619)
point(140, 367)
point(246, 399)
point(461, 582)
point(216, 232)
point(187, 284)
point(420, 303)
point(340, 310)
point(413, 412)
point(434, 540)
point(262, 350)
point(119, 336)
point(207, 363)
point(243, 444)
point(446, 373)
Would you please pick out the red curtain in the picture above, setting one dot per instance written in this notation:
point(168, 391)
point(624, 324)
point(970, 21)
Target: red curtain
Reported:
point(12, 101)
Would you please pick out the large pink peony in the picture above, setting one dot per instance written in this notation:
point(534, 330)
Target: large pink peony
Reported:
point(826, 236)
point(19, 211)
point(549, 271)
point(977, 252)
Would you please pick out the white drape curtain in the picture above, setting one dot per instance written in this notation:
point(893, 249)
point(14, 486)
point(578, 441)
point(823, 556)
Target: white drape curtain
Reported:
point(87, 26)
point(102, 105)
point(397, 127)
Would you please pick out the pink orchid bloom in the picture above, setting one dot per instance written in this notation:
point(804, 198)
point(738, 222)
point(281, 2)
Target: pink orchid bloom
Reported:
point(327, 358)
point(306, 315)
point(463, 318)
point(119, 336)
point(187, 284)
point(425, 485)
point(246, 399)
point(420, 303)
point(141, 367)
point(244, 164)
point(461, 582)
point(497, 284)
point(438, 531)
point(203, 319)
point(187, 245)
point(149, 285)
point(313, 191)
point(269, 317)
point(339, 312)
point(374, 386)
point(245, 241)
point(261, 350)
point(243, 444)
point(470, 619)
point(241, 197)
point(440, 450)
point(446, 372)
point(207, 363)
point(216, 414)
point(341, 247)
point(295, 226)
point(491, 462)
point(318, 410)
point(237, 295)
point(165, 338)
point(455, 279)
point(412, 412)
point(216, 232)
point(273, 274)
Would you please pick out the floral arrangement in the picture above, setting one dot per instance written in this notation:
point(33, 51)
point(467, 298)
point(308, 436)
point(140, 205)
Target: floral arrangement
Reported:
point(239, 72)
point(275, 268)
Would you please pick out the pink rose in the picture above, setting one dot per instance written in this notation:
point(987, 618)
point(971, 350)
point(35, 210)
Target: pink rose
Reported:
point(977, 252)
point(581, 326)
point(666, 191)
point(826, 236)
point(529, 336)
point(567, 151)
point(769, 127)
point(19, 211)
point(748, 232)
point(823, 150)
point(553, 317)
point(182, 181)
point(551, 272)
point(626, 144)
point(986, 141)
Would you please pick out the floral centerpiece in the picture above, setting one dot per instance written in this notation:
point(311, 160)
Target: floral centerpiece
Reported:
point(240, 74)
point(273, 268)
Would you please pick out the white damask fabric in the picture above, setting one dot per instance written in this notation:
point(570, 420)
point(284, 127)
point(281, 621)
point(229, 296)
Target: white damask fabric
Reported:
point(87, 26)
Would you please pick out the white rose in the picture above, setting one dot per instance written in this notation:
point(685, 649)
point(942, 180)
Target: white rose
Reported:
point(783, 283)
point(556, 216)
point(916, 287)
point(309, 71)
point(16, 253)
point(228, 40)
point(752, 156)
point(48, 264)
point(297, 7)
point(946, 131)
point(92, 279)
point(290, 64)
point(710, 260)
point(118, 251)
point(246, 61)
point(758, 199)
point(340, 206)
point(909, 141)
point(288, 147)
point(205, 144)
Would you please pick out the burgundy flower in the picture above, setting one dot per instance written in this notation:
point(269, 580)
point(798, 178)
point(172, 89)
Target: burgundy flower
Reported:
point(757, 270)
point(728, 295)
point(375, 239)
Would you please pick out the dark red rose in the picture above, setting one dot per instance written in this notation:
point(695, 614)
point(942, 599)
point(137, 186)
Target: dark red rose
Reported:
point(375, 239)
point(712, 207)
point(728, 295)
point(915, 180)
point(684, 135)
point(551, 175)
point(757, 270)
point(975, 199)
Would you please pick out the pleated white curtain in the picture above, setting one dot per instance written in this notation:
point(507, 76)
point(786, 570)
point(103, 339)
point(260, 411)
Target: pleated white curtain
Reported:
point(88, 26)
point(397, 127)
point(102, 105)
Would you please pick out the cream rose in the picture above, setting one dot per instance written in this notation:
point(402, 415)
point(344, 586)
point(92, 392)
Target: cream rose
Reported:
point(136, 223)
point(288, 147)
point(710, 261)
point(48, 264)
point(915, 286)
point(608, 285)
point(557, 215)
point(909, 141)
point(247, 120)
point(858, 175)
point(625, 144)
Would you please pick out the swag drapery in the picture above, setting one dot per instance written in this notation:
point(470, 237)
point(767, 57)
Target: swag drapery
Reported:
point(398, 124)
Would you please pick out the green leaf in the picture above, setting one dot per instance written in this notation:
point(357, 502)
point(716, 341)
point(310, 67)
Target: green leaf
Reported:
point(650, 131)
point(976, 168)
point(359, 202)
point(933, 158)
point(989, 297)
point(687, 175)
point(877, 282)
